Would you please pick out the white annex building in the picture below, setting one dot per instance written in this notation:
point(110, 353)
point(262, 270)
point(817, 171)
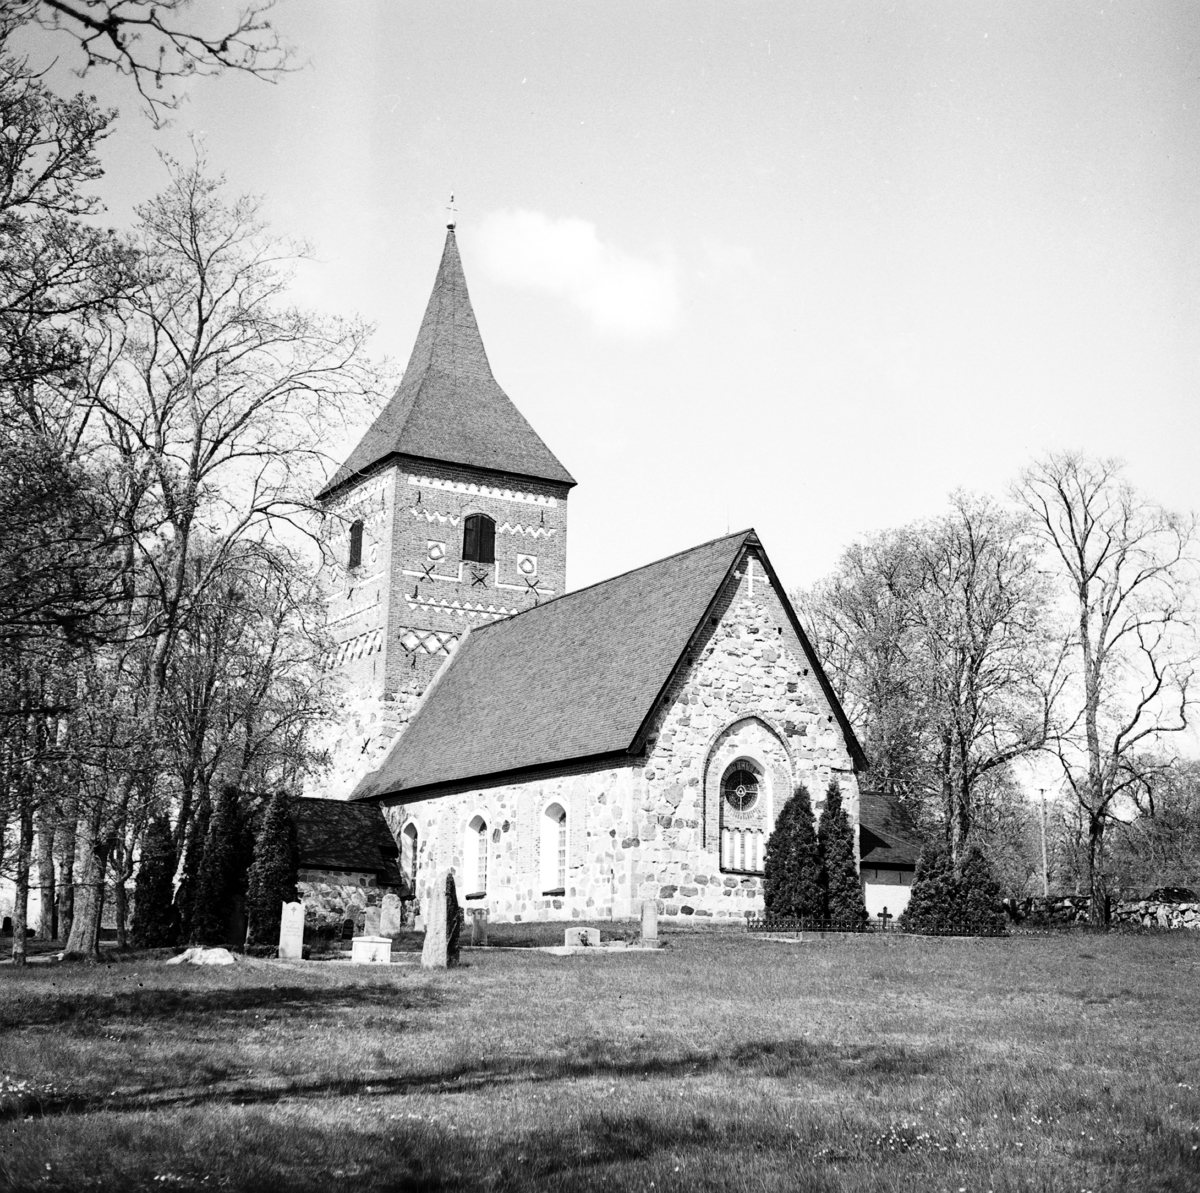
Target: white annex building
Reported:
point(567, 754)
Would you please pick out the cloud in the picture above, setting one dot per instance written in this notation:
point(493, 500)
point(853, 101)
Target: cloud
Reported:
point(623, 294)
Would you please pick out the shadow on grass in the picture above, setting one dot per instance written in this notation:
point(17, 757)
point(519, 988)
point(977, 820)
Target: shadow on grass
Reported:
point(168, 1006)
point(781, 1059)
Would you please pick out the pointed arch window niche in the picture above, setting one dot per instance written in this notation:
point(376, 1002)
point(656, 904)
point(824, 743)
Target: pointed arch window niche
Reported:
point(554, 850)
point(356, 537)
point(743, 822)
point(408, 856)
point(479, 539)
point(475, 858)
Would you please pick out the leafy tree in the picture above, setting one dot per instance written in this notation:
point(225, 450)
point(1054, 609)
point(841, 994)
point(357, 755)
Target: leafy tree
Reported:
point(272, 879)
point(217, 878)
point(1125, 566)
point(792, 870)
point(155, 919)
point(844, 904)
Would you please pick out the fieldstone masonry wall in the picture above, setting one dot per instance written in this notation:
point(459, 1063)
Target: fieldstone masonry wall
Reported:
point(651, 828)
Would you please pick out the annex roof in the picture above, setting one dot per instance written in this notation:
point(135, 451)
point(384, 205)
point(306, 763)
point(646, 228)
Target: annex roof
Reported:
point(448, 406)
point(887, 836)
point(335, 835)
point(575, 678)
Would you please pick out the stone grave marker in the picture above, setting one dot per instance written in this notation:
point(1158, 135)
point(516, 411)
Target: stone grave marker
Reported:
point(371, 950)
point(479, 917)
point(443, 922)
point(291, 932)
point(649, 919)
point(391, 915)
point(582, 938)
point(371, 920)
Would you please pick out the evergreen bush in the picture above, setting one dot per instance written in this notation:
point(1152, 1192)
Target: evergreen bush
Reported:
point(844, 905)
point(272, 876)
point(217, 879)
point(155, 919)
point(933, 903)
point(981, 898)
point(792, 871)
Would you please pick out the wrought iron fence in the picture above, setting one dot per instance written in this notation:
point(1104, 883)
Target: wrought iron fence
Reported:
point(785, 924)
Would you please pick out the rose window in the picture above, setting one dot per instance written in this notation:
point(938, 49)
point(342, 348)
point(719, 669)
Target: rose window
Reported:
point(740, 789)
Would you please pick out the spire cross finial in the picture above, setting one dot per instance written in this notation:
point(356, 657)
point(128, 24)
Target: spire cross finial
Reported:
point(453, 214)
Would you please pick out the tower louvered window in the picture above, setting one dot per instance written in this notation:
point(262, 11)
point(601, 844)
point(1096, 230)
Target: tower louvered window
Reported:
point(356, 531)
point(479, 539)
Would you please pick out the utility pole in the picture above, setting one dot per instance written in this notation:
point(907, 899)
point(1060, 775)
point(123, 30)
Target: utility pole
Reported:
point(1045, 866)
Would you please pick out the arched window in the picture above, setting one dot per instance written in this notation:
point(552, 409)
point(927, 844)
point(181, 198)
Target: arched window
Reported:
point(743, 820)
point(475, 858)
point(408, 855)
point(356, 529)
point(554, 850)
point(479, 539)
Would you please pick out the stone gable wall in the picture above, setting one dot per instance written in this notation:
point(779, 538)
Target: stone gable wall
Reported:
point(651, 828)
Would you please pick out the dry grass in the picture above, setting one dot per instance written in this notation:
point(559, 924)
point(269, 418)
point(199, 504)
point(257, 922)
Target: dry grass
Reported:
point(1055, 1063)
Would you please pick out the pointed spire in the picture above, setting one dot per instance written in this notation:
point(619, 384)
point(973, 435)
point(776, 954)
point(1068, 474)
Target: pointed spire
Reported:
point(449, 406)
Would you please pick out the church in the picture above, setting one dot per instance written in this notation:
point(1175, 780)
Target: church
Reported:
point(568, 754)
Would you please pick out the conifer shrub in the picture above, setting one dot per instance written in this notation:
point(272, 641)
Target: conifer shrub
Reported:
point(845, 907)
point(981, 897)
point(155, 919)
point(966, 903)
point(272, 876)
point(792, 886)
point(185, 896)
point(217, 886)
point(933, 903)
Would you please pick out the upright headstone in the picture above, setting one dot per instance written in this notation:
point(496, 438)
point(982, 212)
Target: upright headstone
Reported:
point(478, 925)
point(371, 918)
point(454, 921)
point(649, 920)
point(435, 951)
point(391, 915)
point(291, 932)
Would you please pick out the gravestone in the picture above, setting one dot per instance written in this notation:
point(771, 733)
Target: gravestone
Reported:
point(371, 950)
point(582, 938)
point(291, 932)
point(478, 925)
point(443, 922)
point(391, 915)
point(649, 920)
point(418, 923)
point(371, 918)
point(347, 929)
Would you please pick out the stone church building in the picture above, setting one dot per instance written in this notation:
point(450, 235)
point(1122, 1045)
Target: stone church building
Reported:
point(567, 754)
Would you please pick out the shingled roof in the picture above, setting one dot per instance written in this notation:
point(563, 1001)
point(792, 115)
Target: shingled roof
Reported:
point(448, 406)
point(887, 836)
point(336, 835)
point(575, 678)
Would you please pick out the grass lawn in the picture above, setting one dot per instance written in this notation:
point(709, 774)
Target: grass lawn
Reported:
point(1065, 1062)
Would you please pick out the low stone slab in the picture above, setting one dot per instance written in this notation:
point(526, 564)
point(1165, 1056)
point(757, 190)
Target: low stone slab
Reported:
point(371, 950)
point(199, 956)
point(582, 938)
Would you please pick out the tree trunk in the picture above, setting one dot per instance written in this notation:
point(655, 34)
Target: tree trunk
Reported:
point(1097, 881)
point(84, 940)
point(66, 869)
point(24, 857)
point(48, 918)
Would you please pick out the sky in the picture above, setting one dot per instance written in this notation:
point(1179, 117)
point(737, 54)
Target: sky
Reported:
point(806, 267)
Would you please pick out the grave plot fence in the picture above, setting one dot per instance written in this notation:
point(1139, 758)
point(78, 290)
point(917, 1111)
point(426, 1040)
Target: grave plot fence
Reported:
point(786, 924)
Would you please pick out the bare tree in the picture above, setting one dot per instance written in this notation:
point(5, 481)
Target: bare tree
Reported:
point(148, 41)
point(1126, 568)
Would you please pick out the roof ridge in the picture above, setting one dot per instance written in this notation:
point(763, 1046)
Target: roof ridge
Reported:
point(562, 596)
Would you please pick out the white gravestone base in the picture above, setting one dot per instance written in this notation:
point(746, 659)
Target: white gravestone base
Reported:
point(371, 950)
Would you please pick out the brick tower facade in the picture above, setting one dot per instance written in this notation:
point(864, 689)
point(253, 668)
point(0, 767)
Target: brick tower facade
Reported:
point(450, 512)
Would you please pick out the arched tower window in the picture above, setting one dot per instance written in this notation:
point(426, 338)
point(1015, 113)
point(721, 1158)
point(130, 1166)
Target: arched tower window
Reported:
point(356, 529)
point(475, 858)
point(554, 850)
point(479, 539)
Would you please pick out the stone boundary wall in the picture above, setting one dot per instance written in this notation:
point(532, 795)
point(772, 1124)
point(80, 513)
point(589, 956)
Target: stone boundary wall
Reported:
point(1134, 913)
point(331, 897)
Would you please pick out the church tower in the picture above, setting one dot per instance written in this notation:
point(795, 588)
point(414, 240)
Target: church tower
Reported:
point(451, 511)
